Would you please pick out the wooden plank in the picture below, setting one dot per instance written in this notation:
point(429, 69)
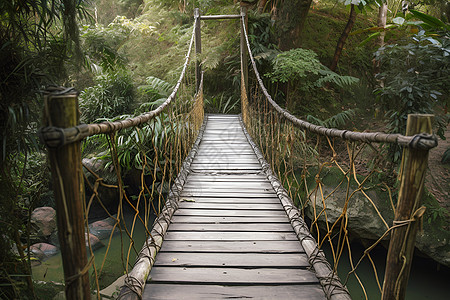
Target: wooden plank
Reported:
point(228, 206)
point(194, 177)
point(231, 260)
point(231, 276)
point(232, 158)
point(266, 200)
point(248, 185)
point(224, 219)
point(263, 292)
point(262, 227)
point(229, 213)
point(226, 195)
point(225, 166)
point(236, 188)
point(232, 246)
point(230, 236)
point(221, 160)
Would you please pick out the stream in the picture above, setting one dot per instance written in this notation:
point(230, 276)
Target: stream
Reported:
point(426, 281)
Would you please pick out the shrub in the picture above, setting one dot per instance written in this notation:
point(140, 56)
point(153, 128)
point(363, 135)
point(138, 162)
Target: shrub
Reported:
point(113, 95)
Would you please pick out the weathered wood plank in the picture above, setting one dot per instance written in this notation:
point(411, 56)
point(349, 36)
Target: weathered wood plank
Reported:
point(224, 219)
point(229, 213)
point(230, 236)
point(231, 206)
point(233, 246)
point(233, 177)
point(225, 166)
point(230, 200)
point(232, 276)
point(262, 227)
point(226, 195)
point(236, 188)
point(261, 206)
point(228, 161)
point(248, 185)
point(263, 292)
point(231, 260)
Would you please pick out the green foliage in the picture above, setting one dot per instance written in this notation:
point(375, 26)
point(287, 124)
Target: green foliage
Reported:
point(156, 90)
point(415, 76)
point(446, 157)
point(113, 95)
point(295, 64)
point(102, 44)
point(303, 67)
point(337, 121)
point(222, 104)
point(341, 81)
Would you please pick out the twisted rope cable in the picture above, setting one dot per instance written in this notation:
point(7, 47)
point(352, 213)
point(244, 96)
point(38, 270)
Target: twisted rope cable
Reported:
point(421, 141)
point(136, 278)
point(328, 279)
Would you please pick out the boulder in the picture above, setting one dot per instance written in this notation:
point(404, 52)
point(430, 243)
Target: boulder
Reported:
point(365, 226)
point(363, 220)
point(103, 228)
point(43, 250)
point(95, 242)
point(108, 195)
point(44, 220)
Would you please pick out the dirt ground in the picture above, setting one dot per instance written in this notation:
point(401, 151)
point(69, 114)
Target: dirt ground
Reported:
point(438, 174)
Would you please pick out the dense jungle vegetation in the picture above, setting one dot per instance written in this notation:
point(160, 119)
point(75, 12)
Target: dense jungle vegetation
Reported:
point(338, 63)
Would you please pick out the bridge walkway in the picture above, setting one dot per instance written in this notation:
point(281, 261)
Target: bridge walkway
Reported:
point(230, 237)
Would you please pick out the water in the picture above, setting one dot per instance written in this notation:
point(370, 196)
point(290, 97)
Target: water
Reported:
point(425, 281)
point(52, 270)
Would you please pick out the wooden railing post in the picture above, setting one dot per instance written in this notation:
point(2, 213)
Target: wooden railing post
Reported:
point(408, 212)
point(61, 110)
point(198, 49)
point(244, 58)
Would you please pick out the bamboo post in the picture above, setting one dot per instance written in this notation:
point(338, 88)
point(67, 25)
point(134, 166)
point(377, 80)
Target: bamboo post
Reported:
point(61, 110)
point(408, 213)
point(198, 48)
point(244, 58)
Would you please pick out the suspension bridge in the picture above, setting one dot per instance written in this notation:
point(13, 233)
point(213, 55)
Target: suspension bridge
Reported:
point(228, 227)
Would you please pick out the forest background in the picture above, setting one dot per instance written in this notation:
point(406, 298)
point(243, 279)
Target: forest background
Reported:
point(348, 64)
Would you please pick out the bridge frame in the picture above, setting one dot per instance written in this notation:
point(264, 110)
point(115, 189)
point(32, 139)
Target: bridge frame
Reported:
point(61, 110)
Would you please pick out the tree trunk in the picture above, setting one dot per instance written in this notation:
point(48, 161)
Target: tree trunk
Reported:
point(343, 38)
point(381, 22)
point(261, 5)
point(291, 21)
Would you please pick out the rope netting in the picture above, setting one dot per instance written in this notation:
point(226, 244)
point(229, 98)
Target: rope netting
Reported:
point(144, 160)
point(337, 179)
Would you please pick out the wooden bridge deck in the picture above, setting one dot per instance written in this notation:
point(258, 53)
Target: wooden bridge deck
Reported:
point(230, 237)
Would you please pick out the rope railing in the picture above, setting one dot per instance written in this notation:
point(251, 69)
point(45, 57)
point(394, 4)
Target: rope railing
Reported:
point(343, 185)
point(129, 174)
point(422, 141)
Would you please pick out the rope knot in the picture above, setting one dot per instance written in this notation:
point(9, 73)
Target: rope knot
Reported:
point(423, 141)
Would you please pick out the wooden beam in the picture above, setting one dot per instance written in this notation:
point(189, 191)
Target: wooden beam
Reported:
point(198, 49)
point(62, 111)
point(220, 17)
point(408, 213)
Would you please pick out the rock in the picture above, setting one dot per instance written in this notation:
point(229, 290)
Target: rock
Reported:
point(108, 195)
point(434, 247)
point(95, 242)
point(43, 250)
point(363, 220)
point(44, 219)
point(365, 226)
point(102, 229)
